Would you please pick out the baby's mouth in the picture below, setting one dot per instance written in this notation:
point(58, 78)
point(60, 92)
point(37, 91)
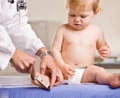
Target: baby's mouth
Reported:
point(78, 24)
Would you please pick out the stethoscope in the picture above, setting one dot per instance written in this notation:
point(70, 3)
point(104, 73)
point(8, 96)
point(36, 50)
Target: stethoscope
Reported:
point(11, 1)
point(21, 4)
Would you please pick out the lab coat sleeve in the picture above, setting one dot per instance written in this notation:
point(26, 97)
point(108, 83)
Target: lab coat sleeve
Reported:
point(23, 36)
point(7, 48)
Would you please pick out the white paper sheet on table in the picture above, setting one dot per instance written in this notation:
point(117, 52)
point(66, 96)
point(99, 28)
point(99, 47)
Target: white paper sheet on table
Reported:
point(15, 81)
point(23, 81)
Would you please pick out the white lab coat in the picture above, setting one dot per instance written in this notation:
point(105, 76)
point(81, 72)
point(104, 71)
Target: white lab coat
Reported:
point(15, 34)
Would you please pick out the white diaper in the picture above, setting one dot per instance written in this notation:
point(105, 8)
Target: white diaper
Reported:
point(76, 78)
point(78, 75)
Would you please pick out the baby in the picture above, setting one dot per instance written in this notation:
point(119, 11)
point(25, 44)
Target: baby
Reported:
point(75, 43)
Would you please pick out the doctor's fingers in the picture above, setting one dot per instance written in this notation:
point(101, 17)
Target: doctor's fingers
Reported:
point(55, 76)
point(33, 72)
point(20, 68)
point(29, 61)
point(29, 66)
point(42, 69)
point(24, 67)
point(25, 70)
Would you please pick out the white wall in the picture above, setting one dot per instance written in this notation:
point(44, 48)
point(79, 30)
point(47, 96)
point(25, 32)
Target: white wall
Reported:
point(46, 10)
point(108, 19)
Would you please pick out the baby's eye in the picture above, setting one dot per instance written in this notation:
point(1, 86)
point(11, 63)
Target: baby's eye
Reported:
point(72, 15)
point(83, 16)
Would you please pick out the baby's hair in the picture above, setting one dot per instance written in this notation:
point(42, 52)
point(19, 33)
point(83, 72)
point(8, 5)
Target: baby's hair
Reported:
point(74, 4)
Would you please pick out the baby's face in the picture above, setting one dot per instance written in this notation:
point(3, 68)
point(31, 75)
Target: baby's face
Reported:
point(80, 18)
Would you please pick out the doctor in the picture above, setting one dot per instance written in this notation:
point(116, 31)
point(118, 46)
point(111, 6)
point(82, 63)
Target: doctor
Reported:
point(18, 42)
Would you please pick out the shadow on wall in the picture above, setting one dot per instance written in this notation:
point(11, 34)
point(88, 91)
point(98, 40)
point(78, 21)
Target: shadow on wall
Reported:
point(45, 30)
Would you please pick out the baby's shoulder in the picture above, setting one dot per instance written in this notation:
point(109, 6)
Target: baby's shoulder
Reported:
point(97, 31)
point(96, 28)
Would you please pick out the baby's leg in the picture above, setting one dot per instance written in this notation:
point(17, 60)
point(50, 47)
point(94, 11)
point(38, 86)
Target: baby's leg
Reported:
point(95, 74)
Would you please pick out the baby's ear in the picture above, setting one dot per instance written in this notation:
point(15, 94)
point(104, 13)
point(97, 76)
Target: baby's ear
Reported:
point(97, 11)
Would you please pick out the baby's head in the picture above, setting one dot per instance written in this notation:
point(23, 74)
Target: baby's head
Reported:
point(81, 12)
point(82, 4)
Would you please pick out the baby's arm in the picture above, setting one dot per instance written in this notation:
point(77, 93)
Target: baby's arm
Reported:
point(102, 46)
point(66, 69)
point(104, 51)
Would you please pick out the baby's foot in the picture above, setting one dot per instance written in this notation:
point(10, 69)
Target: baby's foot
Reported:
point(115, 81)
point(40, 80)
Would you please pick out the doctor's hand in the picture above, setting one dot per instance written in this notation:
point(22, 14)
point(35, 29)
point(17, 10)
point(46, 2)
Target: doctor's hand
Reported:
point(48, 63)
point(22, 62)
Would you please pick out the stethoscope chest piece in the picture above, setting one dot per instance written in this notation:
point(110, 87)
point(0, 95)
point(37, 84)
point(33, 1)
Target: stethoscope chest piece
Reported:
point(21, 5)
point(11, 1)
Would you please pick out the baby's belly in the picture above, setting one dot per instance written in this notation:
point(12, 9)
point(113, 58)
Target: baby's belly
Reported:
point(78, 58)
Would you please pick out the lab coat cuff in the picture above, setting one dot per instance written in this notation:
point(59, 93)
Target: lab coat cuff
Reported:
point(37, 45)
point(5, 59)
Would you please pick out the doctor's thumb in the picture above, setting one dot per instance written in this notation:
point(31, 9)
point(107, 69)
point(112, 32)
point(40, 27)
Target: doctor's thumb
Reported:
point(42, 70)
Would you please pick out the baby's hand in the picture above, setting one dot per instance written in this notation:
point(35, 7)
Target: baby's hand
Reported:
point(104, 52)
point(68, 71)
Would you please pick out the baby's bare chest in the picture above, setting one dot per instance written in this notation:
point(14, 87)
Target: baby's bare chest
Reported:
point(80, 39)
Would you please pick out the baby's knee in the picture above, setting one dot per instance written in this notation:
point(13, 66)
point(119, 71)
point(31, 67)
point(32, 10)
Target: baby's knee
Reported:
point(94, 67)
